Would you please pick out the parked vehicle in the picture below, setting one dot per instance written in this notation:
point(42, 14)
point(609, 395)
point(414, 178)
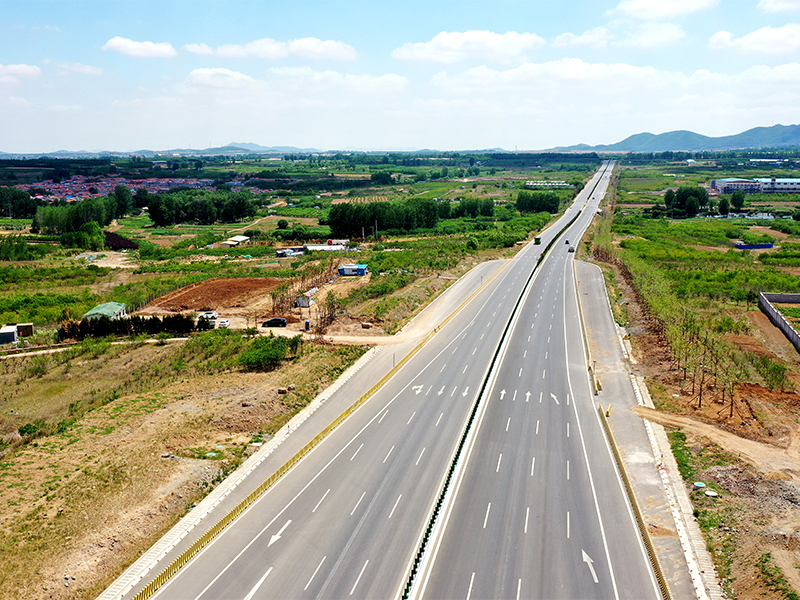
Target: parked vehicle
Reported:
point(274, 322)
point(209, 314)
point(223, 323)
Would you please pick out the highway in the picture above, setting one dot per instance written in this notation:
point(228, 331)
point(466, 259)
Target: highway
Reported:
point(532, 515)
point(538, 510)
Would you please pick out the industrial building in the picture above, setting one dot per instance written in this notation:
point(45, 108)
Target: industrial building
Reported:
point(762, 185)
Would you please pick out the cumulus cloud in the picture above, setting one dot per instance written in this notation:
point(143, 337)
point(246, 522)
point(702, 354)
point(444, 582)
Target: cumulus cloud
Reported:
point(597, 38)
point(268, 48)
point(767, 40)
point(659, 10)
point(653, 35)
point(140, 49)
point(773, 6)
point(452, 47)
point(81, 69)
point(12, 74)
point(305, 76)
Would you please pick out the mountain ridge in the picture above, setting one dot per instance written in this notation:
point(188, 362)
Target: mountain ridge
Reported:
point(776, 136)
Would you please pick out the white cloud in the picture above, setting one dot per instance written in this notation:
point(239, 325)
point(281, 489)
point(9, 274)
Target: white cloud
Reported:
point(220, 79)
point(597, 38)
point(653, 35)
point(767, 40)
point(203, 49)
point(268, 48)
point(659, 10)
point(140, 49)
point(322, 49)
point(773, 6)
point(81, 69)
point(553, 75)
point(451, 47)
point(303, 77)
point(11, 74)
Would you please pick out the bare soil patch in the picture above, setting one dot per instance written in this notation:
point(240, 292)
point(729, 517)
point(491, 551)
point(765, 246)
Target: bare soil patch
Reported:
point(83, 503)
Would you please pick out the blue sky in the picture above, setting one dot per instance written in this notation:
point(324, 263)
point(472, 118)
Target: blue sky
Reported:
point(339, 74)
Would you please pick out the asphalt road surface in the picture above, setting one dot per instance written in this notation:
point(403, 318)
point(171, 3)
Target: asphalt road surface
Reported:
point(539, 511)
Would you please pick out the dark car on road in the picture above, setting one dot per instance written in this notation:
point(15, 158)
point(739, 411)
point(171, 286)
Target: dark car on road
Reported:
point(274, 322)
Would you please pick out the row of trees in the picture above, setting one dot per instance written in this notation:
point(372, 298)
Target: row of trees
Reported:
point(201, 206)
point(17, 204)
point(537, 202)
point(73, 329)
point(61, 217)
point(351, 220)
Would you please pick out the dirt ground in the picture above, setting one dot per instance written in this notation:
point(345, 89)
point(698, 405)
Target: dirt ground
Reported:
point(760, 471)
point(246, 302)
point(81, 504)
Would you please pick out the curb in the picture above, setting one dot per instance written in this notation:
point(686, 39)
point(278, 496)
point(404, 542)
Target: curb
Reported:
point(637, 512)
point(701, 565)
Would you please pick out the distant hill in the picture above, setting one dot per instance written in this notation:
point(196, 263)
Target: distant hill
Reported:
point(687, 141)
point(257, 148)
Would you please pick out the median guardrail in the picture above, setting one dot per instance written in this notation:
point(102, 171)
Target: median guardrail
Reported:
point(437, 507)
point(185, 556)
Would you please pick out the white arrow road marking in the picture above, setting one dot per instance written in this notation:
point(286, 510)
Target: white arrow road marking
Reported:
point(502, 394)
point(258, 585)
point(527, 396)
point(589, 562)
point(277, 536)
point(466, 390)
point(417, 388)
point(553, 396)
point(441, 391)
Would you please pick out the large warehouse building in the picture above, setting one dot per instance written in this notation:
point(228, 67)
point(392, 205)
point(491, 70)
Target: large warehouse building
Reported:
point(757, 186)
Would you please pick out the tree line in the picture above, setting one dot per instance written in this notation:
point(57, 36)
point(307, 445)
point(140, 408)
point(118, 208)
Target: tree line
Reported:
point(537, 202)
point(201, 206)
point(354, 220)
